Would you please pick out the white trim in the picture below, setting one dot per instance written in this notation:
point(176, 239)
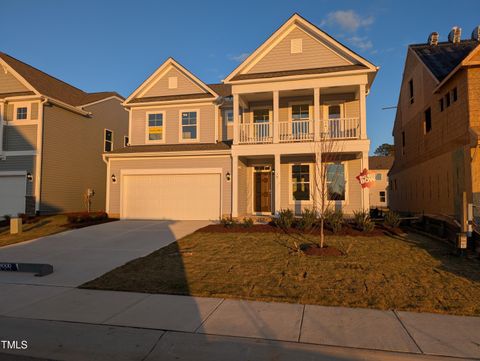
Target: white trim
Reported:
point(105, 139)
point(107, 189)
point(13, 173)
point(102, 100)
point(311, 182)
point(19, 153)
point(169, 104)
point(344, 202)
point(39, 155)
point(162, 155)
point(19, 123)
point(143, 88)
point(136, 157)
point(129, 124)
point(19, 77)
point(216, 117)
point(328, 103)
point(18, 105)
point(300, 102)
point(180, 129)
point(164, 122)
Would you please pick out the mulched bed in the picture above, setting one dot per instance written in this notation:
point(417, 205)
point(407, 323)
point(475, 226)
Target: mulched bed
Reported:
point(314, 250)
point(88, 224)
point(270, 228)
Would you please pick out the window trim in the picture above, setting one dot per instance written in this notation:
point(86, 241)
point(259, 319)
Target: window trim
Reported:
point(180, 126)
point(261, 107)
point(384, 196)
point(228, 123)
point(346, 175)
point(300, 102)
point(27, 105)
point(158, 141)
point(290, 184)
point(105, 130)
point(327, 104)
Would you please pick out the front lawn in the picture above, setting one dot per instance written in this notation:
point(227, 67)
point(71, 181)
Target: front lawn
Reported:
point(41, 226)
point(386, 272)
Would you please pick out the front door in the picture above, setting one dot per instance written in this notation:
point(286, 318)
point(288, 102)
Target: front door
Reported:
point(263, 192)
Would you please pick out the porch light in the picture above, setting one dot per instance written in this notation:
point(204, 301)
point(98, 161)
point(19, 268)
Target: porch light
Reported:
point(228, 176)
point(114, 178)
point(29, 177)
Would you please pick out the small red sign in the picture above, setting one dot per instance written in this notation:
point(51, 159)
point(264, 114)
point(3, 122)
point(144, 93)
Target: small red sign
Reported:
point(366, 179)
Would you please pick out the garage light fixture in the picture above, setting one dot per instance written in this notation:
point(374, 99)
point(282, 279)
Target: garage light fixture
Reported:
point(228, 176)
point(29, 177)
point(114, 178)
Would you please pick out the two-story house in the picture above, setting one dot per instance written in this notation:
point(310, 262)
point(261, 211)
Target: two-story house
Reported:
point(52, 137)
point(247, 146)
point(436, 130)
point(379, 193)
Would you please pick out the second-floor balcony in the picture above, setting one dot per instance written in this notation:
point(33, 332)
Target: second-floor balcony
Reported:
point(299, 131)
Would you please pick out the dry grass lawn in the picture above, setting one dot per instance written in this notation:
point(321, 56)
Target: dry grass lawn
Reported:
point(405, 273)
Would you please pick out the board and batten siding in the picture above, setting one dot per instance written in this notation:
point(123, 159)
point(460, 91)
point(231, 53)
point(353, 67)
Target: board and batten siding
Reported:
point(10, 84)
point(116, 166)
point(314, 55)
point(20, 137)
point(172, 120)
point(20, 163)
point(185, 85)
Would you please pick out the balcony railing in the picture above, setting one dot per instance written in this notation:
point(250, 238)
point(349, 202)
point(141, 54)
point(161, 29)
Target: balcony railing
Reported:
point(299, 131)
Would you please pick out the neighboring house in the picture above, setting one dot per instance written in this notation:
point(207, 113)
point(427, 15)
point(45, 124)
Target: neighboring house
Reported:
point(246, 146)
point(437, 128)
point(52, 136)
point(380, 165)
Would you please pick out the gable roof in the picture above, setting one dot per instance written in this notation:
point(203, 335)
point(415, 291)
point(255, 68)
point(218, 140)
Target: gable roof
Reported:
point(444, 58)
point(50, 86)
point(380, 162)
point(224, 90)
point(132, 98)
point(297, 20)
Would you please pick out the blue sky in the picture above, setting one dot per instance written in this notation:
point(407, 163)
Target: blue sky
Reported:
point(115, 45)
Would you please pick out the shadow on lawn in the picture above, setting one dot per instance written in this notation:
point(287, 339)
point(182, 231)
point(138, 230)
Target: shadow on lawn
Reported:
point(445, 253)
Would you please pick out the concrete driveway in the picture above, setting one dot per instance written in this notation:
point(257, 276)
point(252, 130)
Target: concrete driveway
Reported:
point(81, 255)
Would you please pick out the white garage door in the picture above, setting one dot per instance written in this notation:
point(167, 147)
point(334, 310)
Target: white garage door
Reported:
point(171, 196)
point(12, 194)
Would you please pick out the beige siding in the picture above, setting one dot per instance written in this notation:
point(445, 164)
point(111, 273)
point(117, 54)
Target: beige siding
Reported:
point(172, 123)
point(223, 162)
point(225, 130)
point(20, 163)
point(34, 111)
point(185, 85)
point(9, 112)
point(243, 189)
point(72, 155)
point(379, 186)
point(314, 55)
point(20, 137)
point(10, 84)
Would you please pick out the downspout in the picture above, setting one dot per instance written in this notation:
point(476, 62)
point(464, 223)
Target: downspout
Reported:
point(39, 156)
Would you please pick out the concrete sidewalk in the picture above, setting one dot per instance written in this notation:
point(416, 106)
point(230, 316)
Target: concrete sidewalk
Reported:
point(239, 324)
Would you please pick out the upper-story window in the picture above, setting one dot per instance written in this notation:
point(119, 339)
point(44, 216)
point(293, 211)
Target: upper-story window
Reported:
point(447, 99)
point(441, 105)
point(22, 113)
point(108, 141)
point(378, 176)
point(410, 89)
point(336, 182)
point(428, 120)
point(454, 94)
point(189, 126)
point(228, 115)
point(155, 127)
point(334, 111)
point(301, 112)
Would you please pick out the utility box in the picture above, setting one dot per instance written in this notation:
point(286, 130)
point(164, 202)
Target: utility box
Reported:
point(15, 225)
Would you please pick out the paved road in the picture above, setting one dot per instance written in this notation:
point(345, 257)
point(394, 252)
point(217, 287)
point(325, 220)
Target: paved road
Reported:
point(81, 255)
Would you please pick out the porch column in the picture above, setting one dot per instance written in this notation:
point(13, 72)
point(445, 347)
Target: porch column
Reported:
point(234, 186)
point(276, 116)
point(316, 113)
point(365, 191)
point(277, 181)
point(236, 118)
point(363, 111)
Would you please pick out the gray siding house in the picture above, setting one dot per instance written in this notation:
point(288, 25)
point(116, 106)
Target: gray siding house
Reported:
point(52, 136)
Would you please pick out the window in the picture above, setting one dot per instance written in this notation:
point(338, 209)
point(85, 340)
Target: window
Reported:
point(334, 111)
point(228, 115)
point(447, 99)
point(378, 176)
point(125, 141)
point(403, 142)
point(189, 125)
point(108, 141)
point(172, 82)
point(301, 112)
point(382, 196)
point(22, 113)
point(454, 94)
point(428, 120)
point(296, 46)
point(410, 88)
point(336, 182)
point(441, 105)
point(301, 182)
point(261, 115)
point(155, 126)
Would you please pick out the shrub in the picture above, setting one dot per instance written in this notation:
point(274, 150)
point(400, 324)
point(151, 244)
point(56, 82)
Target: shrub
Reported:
point(284, 219)
point(392, 219)
point(363, 221)
point(247, 222)
point(228, 222)
point(84, 217)
point(308, 219)
point(334, 220)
